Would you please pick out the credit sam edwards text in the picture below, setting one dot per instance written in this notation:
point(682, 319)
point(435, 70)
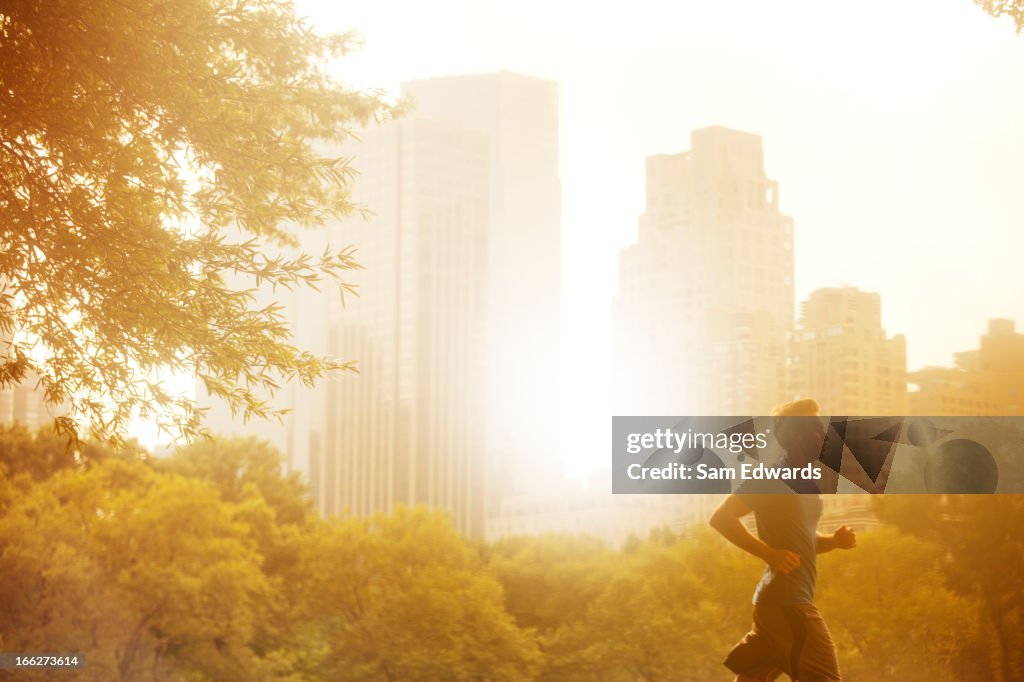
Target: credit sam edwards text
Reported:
point(706, 472)
point(676, 441)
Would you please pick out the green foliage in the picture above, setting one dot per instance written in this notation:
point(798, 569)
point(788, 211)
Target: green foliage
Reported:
point(651, 619)
point(147, 151)
point(40, 455)
point(891, 613)
point(402, 597)
point(27, 457)
point(983, 555)
point(148, 574)
point(669, 608)
point(550, 579)
point(241, 468)
point(277, 509)
point(208, 565)
point(551, 584)
point(1011, 8)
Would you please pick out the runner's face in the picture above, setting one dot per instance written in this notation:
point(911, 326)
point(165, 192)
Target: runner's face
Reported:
point(811, 440)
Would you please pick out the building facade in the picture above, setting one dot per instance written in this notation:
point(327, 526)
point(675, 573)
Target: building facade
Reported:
point(705, 300)
point(521, 118)
point(23, 403)
point(988, 381)
point(408, 428)
point(842, 357)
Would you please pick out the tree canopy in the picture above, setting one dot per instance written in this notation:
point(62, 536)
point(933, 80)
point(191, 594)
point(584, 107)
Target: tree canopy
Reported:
point(209, 565)
point(1011, 8)
point(150, 151)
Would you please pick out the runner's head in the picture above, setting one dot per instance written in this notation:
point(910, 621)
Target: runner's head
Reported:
point(797, 428)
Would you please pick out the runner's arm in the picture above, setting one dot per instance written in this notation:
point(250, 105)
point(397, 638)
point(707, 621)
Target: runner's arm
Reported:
point(726, 520)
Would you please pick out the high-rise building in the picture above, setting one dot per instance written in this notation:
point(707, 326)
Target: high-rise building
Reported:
point(520, 115)
point(23, 403)
point(988, 381)
point(705, 296)
point(409, 428)
point(841, 356)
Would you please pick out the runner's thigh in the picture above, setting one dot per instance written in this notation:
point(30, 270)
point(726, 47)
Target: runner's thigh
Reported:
point(818, 661)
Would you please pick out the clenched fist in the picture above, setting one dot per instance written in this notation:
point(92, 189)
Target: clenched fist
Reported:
point(845, 538)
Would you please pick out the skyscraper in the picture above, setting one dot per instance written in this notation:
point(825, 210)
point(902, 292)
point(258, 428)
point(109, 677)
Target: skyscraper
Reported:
point(408, 429)
point(842, 357)
point(706, 292)
point(520, 115)
point(23, 403)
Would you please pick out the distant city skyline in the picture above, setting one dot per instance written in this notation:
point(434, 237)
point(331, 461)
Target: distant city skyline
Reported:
point(892, 174)
point(869, 139)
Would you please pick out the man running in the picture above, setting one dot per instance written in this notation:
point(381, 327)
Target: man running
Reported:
point(789, 635)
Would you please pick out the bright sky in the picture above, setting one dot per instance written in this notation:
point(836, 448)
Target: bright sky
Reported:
point(893, 128)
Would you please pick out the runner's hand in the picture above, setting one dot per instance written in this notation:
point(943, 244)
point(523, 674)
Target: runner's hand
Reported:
point(782, 560)
point(845, 538)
